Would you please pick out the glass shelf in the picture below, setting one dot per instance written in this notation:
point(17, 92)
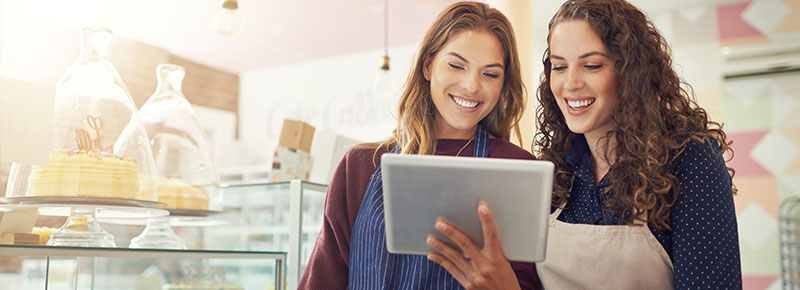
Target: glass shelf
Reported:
point(279, 216)
point(24, 250)
point(47, 267)
point(308, 184)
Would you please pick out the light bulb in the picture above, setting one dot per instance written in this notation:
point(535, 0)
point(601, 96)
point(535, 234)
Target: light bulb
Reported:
point(228, 20)
point(383, 80)
point(382, 83)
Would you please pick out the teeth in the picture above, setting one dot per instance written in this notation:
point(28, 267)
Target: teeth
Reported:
point(580, 104)
point(464, 103)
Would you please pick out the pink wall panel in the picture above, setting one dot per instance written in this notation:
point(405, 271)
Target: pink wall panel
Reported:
point(743, 143)
point(758, 282)
point(731, 25)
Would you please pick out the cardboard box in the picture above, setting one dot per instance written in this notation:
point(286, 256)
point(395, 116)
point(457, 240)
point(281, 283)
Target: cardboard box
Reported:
point(296, 135)
point(288, 164)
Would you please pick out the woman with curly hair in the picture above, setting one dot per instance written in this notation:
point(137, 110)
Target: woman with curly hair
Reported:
point(463, 97)
point(642, 196)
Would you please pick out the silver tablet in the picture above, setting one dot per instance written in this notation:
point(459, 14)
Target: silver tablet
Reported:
point(419, 188)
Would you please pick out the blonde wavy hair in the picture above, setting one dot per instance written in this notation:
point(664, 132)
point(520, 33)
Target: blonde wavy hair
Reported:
point(415, 131)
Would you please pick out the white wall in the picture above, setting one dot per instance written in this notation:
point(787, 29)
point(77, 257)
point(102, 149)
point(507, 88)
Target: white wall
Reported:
point(333, 94)
point(219, 126)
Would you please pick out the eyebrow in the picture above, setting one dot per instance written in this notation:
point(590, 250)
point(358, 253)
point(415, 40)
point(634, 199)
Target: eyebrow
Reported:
point(585, 55)
point(465, 60)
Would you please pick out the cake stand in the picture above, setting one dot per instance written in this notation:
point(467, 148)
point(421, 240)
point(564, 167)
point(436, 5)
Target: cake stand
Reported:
point(158, 232)
point(82, 228)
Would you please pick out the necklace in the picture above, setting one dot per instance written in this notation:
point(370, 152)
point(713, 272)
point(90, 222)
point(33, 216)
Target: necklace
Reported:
point(465, 146)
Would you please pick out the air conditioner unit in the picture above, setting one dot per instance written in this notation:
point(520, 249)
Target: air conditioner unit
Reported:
point(759, 59)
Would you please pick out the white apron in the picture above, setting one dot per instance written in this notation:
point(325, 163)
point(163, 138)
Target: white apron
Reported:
point(582, 256)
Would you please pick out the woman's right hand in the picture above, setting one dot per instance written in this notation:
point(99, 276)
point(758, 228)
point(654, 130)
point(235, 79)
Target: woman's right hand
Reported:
point(484, 268)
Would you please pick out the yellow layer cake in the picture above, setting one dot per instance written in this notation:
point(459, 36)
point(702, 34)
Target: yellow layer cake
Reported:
point(85, 174)
point(179, 194)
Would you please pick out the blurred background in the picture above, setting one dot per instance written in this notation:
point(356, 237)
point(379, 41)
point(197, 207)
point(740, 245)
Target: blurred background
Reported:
point(319, 62)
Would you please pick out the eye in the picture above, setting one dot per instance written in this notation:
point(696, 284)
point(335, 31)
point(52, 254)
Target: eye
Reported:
point(593, 66)
point(559, 68)
point(491, 75)
point(455, 66)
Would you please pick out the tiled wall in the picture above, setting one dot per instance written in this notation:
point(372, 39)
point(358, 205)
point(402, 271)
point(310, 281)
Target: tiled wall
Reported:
point(761, 115)
point(763, 119)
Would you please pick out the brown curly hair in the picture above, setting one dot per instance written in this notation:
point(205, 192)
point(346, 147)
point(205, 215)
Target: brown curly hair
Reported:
point(656, 118)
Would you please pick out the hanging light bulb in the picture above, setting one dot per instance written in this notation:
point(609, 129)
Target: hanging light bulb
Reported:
point(228, 20)
point(383, 80)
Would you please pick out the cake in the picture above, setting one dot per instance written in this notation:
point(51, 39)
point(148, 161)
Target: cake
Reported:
point(44, 233)
point(86, 174)
point(179, 194)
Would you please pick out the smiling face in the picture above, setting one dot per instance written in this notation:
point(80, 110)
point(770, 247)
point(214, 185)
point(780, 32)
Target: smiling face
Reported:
point(582, 78)
point(466, 78)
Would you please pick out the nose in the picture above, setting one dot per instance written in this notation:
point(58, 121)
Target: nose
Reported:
point(574, 80)
point(470, 82)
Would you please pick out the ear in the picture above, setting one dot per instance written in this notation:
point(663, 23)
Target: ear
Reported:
point(426, 68)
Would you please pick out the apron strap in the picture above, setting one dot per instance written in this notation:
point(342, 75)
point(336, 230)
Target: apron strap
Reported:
point(481, 142)
point(554, 216)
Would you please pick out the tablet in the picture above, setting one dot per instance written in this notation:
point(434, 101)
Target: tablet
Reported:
point(419, 188)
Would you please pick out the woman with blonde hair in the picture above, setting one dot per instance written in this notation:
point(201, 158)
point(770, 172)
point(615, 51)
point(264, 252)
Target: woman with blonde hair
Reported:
point(642, 196)
point(463, 97)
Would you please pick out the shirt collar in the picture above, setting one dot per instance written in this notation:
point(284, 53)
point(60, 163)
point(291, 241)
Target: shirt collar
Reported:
point(579, 159)
point(577, 151)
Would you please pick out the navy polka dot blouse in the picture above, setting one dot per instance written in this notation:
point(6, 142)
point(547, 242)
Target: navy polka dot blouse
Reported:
point(704, 243)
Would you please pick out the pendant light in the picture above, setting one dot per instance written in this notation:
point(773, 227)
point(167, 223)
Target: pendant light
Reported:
point(383, 79)
point(228, 21)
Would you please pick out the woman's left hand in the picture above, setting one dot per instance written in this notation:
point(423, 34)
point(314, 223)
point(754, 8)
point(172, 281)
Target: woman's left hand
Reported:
point(484, 268)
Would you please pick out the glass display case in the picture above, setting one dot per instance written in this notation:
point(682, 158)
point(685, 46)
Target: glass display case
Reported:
point(45, 267)
point(275, 216)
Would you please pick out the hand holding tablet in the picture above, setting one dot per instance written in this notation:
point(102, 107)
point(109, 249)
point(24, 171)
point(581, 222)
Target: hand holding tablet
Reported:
point(418, 189)
point(484, 268)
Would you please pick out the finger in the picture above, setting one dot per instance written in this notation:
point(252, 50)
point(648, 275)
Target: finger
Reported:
point(451, 254)
point(490, 237)
point(451, 268)
point(461, 240)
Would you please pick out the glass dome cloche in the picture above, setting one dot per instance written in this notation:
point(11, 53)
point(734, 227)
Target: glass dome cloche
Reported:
point(100, 148)
point(186, 175)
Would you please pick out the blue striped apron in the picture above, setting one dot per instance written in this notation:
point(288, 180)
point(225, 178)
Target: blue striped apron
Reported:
point(372, 267)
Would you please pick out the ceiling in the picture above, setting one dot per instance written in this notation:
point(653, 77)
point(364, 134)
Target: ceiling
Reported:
point(275, 31)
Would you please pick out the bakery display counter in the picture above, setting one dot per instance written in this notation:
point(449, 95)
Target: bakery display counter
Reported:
point(47, 267)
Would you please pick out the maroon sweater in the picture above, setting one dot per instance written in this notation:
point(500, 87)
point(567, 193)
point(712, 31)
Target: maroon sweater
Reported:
point(329, 263)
